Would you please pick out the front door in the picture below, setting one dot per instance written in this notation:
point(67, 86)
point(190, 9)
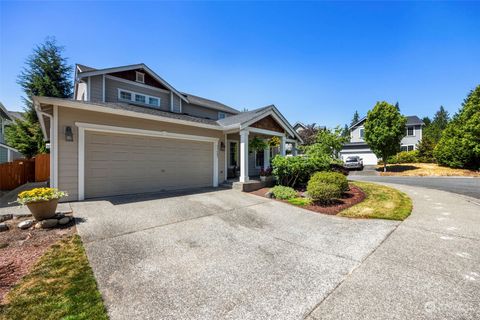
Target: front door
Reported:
point(233, 158)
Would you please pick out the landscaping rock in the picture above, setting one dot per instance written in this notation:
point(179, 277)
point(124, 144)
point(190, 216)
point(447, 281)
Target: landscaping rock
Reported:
point(59, 215)
point(38, 225)
point(64, 220)
point(3, 227)
point(48, 223)
point(5, 217)
point(269, 194)
point(25, 224)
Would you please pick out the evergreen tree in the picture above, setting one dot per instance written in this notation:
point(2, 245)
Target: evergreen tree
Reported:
point(426, 121)
point(46, 73)
point(346, 132)
point(355, 119)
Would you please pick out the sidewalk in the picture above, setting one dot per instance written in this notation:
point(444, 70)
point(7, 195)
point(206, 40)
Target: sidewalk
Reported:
point(429, 267)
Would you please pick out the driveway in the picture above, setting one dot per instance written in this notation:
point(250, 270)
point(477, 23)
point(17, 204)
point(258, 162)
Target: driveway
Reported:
point(219, 255)
point(464, 186)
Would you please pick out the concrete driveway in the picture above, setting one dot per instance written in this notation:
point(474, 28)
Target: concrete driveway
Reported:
point(219, 255)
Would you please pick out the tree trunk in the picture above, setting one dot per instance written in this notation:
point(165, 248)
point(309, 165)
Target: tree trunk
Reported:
point(384, 166)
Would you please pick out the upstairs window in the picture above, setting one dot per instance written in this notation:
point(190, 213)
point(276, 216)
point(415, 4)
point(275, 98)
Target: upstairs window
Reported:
point(410, 131)
point(124, 95)
point(222, 115)
point(362, 133)
point(140, 98)
point(140, 77)
point(155, 102)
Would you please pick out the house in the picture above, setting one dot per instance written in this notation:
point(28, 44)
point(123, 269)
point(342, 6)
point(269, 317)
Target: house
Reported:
point(127, 130)
point(299, 127)
point(358, 147)
point(7, 153)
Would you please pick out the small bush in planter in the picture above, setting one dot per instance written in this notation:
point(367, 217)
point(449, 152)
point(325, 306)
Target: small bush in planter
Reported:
point(323, 192)
point(42, 202)
point(267, 172)
point(335, 178)
point(283, 193)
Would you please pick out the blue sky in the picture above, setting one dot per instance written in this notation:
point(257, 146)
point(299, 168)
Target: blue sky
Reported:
point(316, 61)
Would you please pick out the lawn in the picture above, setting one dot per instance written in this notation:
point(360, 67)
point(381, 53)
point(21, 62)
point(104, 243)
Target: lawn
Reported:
point(60, 286)
point(425, 169)
point(381, 202)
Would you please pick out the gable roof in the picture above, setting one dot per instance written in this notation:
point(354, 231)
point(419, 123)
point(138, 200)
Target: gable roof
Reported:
point(4, 112)
point(411, 121)
point(298, 124)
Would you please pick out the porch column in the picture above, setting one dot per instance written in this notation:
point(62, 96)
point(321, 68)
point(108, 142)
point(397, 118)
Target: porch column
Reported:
point(294, 148)
point(243, 156)
point(282, 146)
point(266, 157)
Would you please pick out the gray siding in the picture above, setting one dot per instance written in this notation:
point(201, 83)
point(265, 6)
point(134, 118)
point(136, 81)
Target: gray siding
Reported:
point(3, 154)
point(198, 111)
point(112, 87)
point(415, 139)
point(176, 103)
point(355, 134)
point(96, 88)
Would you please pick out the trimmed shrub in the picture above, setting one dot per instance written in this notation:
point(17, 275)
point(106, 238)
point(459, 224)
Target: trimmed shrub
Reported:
point(334, 178)
point(322, 192)
point(283, 193)
point(404, 157)
point(293, 171)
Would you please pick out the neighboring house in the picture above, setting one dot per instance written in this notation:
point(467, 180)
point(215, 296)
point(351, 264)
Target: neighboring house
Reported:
point(7, 153)
point(127, 131)
point(299, 127)
point(358, 147)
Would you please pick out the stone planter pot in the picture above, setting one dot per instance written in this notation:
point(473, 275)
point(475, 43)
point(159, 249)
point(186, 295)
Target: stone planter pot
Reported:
point(43, 209)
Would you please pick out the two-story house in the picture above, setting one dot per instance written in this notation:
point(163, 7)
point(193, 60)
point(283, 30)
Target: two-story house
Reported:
point(7, 153)
point(358, 147)
point(127, 130)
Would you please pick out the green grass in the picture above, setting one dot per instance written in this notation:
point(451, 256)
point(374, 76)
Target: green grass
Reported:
point(60, 286)
point(300, 201)
point(381, 202)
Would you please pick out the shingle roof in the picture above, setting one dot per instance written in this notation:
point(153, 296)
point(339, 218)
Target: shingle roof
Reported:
point(414, 120)
point(242, 116)
point(16, 115)
point(209, 103)
point(84, 68)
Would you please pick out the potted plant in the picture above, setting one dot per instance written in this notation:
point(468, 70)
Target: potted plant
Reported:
point(266, 174)
point(42, 202)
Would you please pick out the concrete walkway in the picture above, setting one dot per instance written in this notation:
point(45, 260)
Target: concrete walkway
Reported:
point(428, 268)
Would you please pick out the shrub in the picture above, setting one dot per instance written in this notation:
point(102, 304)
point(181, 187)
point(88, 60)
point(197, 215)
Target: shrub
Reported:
point(323, 192)
point(283, 193)
point(294, 170)
point(404, 157)
point(334, 178)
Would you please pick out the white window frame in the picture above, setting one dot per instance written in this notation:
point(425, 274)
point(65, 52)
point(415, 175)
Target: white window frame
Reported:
point(221, 113)
point(406, 146)
point(413, 129)
point(132, 98)
point(360, 133)
point(263, 162)
point(139, 77)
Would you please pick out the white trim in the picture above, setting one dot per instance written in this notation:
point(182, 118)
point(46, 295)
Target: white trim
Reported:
point(244, 156)
point(142, 76)
point(171, 101)
point(264, 131)
point(103, 91)
point(408, 135)
point(98, 108)
point(55, 146)
point(82, 127)
point(408, 145)
point(130, 82)
point(181, 106)
point(278, 117)
point(283, 148)
point(132, 98)
point(9, 155)
point(227, 149)
point(81, 163)
point(8, 147)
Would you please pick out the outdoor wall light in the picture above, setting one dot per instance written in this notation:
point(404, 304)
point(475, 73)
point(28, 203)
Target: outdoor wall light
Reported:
point(68, 134)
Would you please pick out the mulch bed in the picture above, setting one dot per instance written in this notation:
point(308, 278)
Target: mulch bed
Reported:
point(20, 250)
point(349, 198)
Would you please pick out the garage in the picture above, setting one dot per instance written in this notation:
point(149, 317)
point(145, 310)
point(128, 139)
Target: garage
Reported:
point(361, 150)
point(117, 164)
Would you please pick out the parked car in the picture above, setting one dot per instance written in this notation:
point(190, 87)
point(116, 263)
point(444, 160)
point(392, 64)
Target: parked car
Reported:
point(353, 162)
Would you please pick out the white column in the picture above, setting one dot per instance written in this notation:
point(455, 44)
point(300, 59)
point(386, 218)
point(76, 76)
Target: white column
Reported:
point(243, 156)
point(294, 148)
point(266, 157)
point(282, 146)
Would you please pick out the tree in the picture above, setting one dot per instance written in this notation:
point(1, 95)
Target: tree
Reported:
point(46, 73)
point(427, 121)
point(355, 119)
point(384, 129)
point(309, 134)
point(346, 132)
point(432, 132)
point(459, 146)
point(328, 142)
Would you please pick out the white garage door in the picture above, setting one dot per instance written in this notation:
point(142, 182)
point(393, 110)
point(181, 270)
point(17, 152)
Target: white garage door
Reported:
point(118, 164)
point(369, 158)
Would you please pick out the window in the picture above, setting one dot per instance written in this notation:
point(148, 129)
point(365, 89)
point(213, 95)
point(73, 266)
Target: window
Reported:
point(233, 153)
point(140, 98)
point(154, 102)
point(222, 115)
point(259, 157)
point(410, 147)
point(140, 77)
point(410, 131)
point(362, 133)
point(124, 95)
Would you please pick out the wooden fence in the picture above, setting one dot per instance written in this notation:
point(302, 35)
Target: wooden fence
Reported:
point(20, 171)
point(42, 167)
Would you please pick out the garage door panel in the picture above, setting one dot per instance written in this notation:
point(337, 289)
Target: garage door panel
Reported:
point(122, 164)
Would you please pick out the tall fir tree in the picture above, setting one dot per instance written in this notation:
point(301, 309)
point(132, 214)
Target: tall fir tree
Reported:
point(355, 119)
point(46, 73)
